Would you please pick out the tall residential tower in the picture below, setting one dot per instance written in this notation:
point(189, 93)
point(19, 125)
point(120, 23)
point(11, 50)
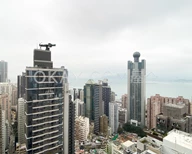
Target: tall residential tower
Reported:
point(136, 91)
point(3, 71)
point(45, 103)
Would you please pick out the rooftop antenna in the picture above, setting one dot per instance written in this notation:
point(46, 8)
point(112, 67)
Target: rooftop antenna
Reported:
point(47, 46)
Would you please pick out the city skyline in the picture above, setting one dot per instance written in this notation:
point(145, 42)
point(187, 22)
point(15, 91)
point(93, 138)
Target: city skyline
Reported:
point(159, 30)
point(118, 79)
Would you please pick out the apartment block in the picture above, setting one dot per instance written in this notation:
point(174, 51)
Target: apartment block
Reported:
point(174, 116)
point(155, 106)
point(103, 123)
point(81, 128)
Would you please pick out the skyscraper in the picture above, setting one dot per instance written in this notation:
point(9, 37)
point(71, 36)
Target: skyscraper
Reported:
point(88, 99)
point(3, 71)
point(21, 121)
point(21, 85)
point(106, 92)
point(113, 117)
point(93, 102)
point(46, 106)
point(71, 141)
point(136, 91)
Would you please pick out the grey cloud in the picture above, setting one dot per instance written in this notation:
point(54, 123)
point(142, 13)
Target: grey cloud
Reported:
point(98, 35)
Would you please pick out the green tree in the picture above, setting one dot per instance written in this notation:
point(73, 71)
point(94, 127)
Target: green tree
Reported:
point(134, 129)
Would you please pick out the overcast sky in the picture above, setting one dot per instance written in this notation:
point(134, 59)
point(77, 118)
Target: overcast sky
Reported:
point(99, 35)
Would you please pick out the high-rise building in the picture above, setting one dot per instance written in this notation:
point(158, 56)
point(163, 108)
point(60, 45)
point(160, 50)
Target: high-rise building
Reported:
point(14, 96)
point(124, 100)
point(21, 121)
point(6, 106)
point(81, 128)
point(71, 141)
point(1, 133)
point(46, 105)
point(93, 103)
point(21, 85)
point(106, 92)
point(88, 99)
point(103, 122)
point(113, 117)
point(136, 91)
point(79, 108)
point(81, 95)
point(3, 126)
point(122, 116)
point(112, 96)
point(10, 90)
point(3, 71)
point(7, 134)
point(97, 108)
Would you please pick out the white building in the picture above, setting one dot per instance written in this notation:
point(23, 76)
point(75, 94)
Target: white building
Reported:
point(21, 121)
point(177, 142)
point(149, 143)
point(79, 106)
point(113, 117)
point(81, 95)
point(129, 146)
point(122, 148)
point(81, 128)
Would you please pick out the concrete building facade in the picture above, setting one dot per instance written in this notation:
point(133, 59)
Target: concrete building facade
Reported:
point(155, 106)
point(21, 121)
point(6, 106)
point(79, 108)
point(174, 117)
point(81, 128)
point(124, 100)
point(103, 123)
point(113, 117)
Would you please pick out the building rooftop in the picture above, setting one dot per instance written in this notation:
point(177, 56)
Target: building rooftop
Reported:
point(175, 105)
point(136, 54)
point(128, 143)
point(148, 152)
point(90, 81)
point(180, 138)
